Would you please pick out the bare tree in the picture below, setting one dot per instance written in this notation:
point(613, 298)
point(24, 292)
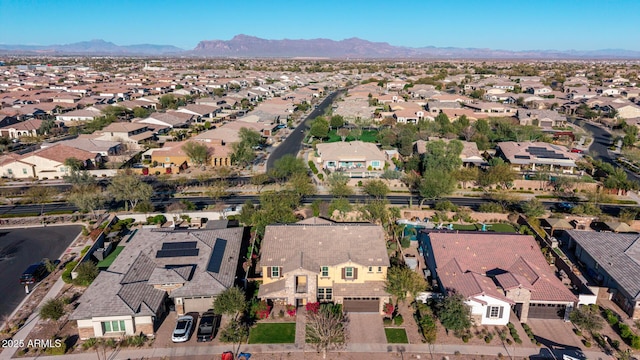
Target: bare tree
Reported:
point(326, 329)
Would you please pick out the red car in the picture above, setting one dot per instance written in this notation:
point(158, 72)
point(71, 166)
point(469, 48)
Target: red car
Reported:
point(577, 151)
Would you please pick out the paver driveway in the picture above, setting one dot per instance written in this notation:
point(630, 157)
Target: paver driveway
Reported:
point(366, 328)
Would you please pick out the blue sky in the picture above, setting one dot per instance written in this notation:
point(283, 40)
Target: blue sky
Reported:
point(496, 24)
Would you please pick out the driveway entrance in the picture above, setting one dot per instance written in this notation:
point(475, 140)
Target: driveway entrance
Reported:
point(366, 328)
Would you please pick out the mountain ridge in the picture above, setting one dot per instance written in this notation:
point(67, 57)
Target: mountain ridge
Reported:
point(249, 46)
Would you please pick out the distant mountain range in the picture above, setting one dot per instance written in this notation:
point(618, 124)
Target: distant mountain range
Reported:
point(245, 46)
point(93, 47)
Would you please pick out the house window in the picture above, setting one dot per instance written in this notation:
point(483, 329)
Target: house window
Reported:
point(113, 326)
point(379, 269)
point(275, 272)
point(348, 273)
point(24, 171)
point(167, 159)
point(325, 294)
point(9, 171)
point(325, 271)
point(494, 312)
point(375, 163)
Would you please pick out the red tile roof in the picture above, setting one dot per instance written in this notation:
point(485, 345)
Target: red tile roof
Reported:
point(491, 254)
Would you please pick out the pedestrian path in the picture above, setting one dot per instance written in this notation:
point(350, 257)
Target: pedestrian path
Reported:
point(301, 324)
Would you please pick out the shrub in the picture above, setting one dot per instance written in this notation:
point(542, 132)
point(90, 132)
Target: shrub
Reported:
point(387, 321)
point(291, 310)
point(281, 313)
point(398, 320)
point(136, 340)
point(615, 344)
point(66, 274)
point(509, 341)
point(625, 331)
point(388, 309)
point(313, 167)
point(89, 343)
point(259, 309)
point(577, 332)
point(635, 342)
point(465, 338)
point(612, 318)
point(488, 338)
point(517, 340)
point(87, 272)
point(312, 307)
point(587, 343)
point(321, 176)
point(158, 219)
point(53, 309)
point(57, 350)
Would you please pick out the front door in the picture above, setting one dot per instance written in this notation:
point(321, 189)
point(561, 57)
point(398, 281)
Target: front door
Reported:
point(518, 309)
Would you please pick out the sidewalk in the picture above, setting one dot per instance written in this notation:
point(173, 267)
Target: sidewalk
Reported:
point(8, 352)
point(423, 349)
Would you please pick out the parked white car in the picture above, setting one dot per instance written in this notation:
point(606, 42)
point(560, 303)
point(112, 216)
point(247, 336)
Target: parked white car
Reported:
point(182, 332)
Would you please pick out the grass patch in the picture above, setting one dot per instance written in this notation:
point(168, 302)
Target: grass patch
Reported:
point(104, 264)
point(367, 136)
point(506, 228)
point(273, 333)
point(502, 228)
point(396, 336)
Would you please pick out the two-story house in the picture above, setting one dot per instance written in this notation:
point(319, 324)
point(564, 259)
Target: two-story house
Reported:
point(319, 260)
point(131, 134)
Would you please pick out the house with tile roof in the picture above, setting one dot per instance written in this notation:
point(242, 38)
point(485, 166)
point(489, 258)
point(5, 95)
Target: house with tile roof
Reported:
point(496, 273)
point(157, 267)
point(353, 158)
point(320, 260)
point(536, 156)
point(613, 261)
point(24, 128)
point(46, 163)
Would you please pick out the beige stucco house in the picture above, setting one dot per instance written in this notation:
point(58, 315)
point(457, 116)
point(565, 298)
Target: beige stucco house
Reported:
point(319, 260)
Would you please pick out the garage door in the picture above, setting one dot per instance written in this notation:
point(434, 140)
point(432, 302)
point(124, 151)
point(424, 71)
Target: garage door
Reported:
point(354, 304)
point(200, 305)
point(546, 311)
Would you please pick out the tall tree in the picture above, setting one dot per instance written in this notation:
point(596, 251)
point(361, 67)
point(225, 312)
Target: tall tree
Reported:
point(436, 184)
point(402, 280)
point(129, 188)
point(442, 156)
point(376, 188)
point(198, 153)
point(338, 185)
point(337, 121)
point(230, 302)
point(260, 181)
point(40, 195)
point(319, 128)
point(287, 166)
point(453, 313)
point(326, 330)
point(87, 198)
point(301, 185)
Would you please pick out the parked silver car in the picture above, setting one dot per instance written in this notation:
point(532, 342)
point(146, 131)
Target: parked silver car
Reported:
point(182, 332)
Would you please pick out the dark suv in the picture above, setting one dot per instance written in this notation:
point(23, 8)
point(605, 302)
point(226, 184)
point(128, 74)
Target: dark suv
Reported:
point(209, 323)
point(33, 274)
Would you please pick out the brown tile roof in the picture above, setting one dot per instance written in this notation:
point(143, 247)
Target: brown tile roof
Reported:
point(308, 246)
point(60, 153)
point(491, 254)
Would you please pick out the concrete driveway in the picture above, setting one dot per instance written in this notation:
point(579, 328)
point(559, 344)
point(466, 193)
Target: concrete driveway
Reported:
point(366, 328)
point(555, 334)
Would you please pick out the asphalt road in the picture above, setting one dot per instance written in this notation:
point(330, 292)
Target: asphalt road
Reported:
point(293, 142)
point(201, 202)
point(20, 248)
point(599, 148)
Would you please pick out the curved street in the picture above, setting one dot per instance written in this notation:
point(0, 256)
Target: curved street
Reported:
point(293, 142)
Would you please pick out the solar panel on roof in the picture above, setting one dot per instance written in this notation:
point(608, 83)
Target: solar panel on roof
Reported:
point(177, 253)
point(216, 256)
point(179, 245)
point(522, 157)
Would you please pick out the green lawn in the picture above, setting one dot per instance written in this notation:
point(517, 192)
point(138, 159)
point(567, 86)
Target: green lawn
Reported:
point(104, 264)
point(367, 136)
point(273, 333)
point(490, 227)
point(396, 336)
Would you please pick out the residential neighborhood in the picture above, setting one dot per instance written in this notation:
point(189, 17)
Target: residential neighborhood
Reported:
point(453, 208)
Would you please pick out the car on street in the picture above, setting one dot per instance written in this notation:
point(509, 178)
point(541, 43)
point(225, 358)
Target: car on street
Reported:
point(577, 151)
point(565, 206)
point(209, 323)
point(183, 328)
point(33, 274)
